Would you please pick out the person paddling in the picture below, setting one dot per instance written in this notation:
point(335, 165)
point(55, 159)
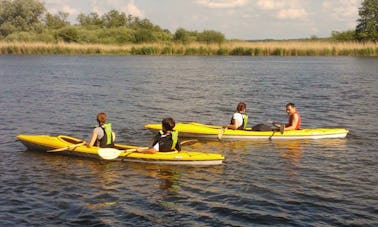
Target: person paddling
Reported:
point(294, 121)
point(103, 135)
point(166, 140)
point(240, 119)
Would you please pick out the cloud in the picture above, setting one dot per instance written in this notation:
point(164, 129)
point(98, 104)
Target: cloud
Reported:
point(291, 13)
point(132, 9)
point(270, 4)
point(283, 9)
point(222, 3)
point(346, 8)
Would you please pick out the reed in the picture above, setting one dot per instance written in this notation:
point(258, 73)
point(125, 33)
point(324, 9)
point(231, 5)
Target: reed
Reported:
point(263, 48)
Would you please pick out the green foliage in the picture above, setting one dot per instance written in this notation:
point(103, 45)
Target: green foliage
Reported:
point(68, 34)
point(367, 27)
point(209, 36)
point(112, 36)
point(56, 21)
point(31, 37)
point(91, 21)
point(114, 19)
point(343, 36)
point(20, 15)
point(144, 36)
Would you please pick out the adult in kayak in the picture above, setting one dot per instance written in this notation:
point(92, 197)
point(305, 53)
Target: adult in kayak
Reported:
point(240, 119)
point(103, 135)
point(166, 140)
point(294, 121)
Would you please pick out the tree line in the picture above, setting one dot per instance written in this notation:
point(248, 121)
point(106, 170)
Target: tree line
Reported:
point(28, 20)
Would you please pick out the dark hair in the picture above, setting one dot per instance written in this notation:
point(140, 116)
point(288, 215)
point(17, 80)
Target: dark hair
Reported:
point(102, 118)
point(241, 106)
point(290, 104)
point(168, 124)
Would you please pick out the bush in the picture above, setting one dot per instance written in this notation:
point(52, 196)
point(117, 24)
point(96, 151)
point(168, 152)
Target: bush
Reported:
point(68, 34)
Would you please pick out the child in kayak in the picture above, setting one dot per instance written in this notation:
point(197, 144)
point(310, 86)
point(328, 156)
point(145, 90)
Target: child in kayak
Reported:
point(240, 119)
point(294, 121)
point(103, 135)
point(166, 140)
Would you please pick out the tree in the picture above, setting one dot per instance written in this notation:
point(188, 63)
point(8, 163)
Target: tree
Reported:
point(344, 36)
point(114, 19)
point(210, 36)
point(181, 35)
point(367, 27)
point(20, 15)
point(90, 20)
point(56, 21)
point(68, 34)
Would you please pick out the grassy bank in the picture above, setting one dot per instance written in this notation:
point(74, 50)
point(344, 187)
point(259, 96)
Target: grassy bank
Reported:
point(268, 48)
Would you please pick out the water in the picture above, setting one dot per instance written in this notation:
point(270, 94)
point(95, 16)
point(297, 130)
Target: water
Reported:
point(291, 183)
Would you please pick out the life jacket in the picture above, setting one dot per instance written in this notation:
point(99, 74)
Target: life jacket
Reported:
point(298, 126)
point(244, 123)
point(167, 143)
point(107, 139)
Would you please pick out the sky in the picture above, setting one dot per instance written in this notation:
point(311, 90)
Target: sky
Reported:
point(236, 19)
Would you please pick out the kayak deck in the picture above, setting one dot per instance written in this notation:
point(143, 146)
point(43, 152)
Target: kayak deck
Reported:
point(48, 143)
point(198, 130)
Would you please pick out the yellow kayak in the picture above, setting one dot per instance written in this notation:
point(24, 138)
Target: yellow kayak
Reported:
point(198, 130)
point(74, 146)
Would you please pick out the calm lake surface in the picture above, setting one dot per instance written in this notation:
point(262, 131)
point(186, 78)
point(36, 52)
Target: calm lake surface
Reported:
point(289, 183)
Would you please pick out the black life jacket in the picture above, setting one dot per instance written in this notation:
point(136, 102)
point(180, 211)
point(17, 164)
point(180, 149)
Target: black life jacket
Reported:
point(167, 143)
point(107, 140)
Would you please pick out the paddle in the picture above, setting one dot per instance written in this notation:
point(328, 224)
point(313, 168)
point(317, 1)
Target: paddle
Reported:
point(67, 148)
point(220, 133)
point(113, 153)
point(282, 128)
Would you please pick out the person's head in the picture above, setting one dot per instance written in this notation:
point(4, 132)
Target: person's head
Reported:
point(241, 107)
point(168, 124)
point(102, 118)
point(290, 108)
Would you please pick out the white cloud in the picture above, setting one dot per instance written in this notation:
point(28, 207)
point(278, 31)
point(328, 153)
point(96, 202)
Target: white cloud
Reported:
point(132, 9)
point(222, 3)
point(291, 13)
point(341, 9)
point(283, 9)
point(270, 4)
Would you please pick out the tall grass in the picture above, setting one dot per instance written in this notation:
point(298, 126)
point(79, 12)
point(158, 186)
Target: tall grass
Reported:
point(266, 48)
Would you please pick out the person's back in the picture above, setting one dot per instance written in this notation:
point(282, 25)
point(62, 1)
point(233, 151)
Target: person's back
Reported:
point(103, 135)
point(239, 119)
point(166, 140)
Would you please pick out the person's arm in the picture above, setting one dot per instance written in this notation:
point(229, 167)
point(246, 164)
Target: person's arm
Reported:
point(234, 125)
point(114, 136)
point(146, 151)
point(293, 123)
point(93, 139)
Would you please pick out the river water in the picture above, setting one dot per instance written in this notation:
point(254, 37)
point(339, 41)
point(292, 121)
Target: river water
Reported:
point(290, 183)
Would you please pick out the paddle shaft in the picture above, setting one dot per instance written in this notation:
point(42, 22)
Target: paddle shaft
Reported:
point(67, 148)
point(127, 152)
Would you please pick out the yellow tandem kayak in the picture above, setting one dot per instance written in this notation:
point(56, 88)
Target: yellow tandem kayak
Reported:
point(198, 130)
point(74, 146)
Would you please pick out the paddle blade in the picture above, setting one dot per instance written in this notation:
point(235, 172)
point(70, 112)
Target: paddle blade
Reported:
point(189, 142)
point(282, 129)
point(220, 133)
point(109, 153)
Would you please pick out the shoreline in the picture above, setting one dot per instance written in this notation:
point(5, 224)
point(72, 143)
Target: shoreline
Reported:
point(229, 48)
